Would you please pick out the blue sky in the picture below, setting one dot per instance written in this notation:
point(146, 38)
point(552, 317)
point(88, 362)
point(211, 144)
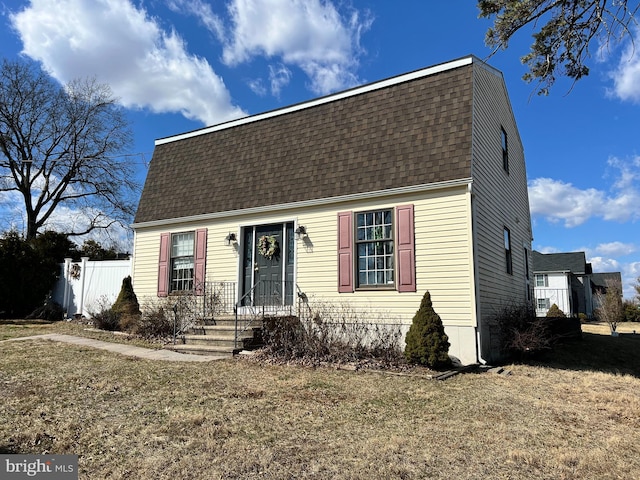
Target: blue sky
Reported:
point(178, 65)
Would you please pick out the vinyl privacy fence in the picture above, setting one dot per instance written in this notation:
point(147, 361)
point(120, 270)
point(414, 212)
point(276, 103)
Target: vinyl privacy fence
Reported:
point(83, 286)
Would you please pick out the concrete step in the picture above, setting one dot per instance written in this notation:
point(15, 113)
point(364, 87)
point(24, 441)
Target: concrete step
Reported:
point(230, 321)
point(222, 330)
point(214, 340)
point(202, 349)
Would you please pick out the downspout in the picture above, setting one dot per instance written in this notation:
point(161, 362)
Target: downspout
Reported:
point(481, 360)
point(475, 287)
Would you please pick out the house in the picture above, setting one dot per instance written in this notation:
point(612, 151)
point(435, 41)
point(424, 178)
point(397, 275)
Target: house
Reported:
point(601, 283)
point(367, 197)
point(562, 279)
point(567, 280)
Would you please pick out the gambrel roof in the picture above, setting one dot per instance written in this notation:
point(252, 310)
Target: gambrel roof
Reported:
point(410, 130)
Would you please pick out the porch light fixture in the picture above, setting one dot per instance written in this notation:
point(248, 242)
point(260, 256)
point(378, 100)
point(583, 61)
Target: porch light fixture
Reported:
point(301, 232)
point(229, 239)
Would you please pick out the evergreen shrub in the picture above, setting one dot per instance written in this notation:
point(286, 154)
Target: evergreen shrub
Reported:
point(427, 344)
point(555, 312)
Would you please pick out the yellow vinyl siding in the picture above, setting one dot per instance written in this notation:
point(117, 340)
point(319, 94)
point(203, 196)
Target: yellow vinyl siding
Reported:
point(442, 255)
point(442, 238)
point(222, 260)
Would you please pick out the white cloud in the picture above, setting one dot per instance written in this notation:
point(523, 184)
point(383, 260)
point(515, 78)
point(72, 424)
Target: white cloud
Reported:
point(202, 11)
point(257, 86)
point(309, 34)
point(557, 201)
point(602, 264)
point(626, 76)
point(615, 249)
point(121, 45)
point(279, 76)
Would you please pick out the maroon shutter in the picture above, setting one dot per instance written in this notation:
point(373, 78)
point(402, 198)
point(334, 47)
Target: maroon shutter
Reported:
point(200, 261)
point(345, 252)
point(163, 265)
point(405, 246)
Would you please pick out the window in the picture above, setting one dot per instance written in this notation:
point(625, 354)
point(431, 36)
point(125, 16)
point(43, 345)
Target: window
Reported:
point(182, 268)
point(543, 304)
point(527, 274)
point(507, 250)
point(542, 280)
point(374, 248)
point(505, 151)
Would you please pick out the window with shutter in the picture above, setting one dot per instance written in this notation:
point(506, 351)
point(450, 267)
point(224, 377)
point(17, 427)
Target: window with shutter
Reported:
point(182, 262)
point(380, 250)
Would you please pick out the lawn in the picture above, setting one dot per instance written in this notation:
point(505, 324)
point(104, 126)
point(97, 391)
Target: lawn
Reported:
point(573, 414)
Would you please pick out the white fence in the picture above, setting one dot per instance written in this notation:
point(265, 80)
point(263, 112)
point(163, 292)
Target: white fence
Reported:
point(84, 285)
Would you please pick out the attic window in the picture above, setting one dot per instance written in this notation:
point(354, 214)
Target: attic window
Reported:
point(505, 151)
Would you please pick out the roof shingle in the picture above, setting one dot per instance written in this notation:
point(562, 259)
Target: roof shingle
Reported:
point(412, 133)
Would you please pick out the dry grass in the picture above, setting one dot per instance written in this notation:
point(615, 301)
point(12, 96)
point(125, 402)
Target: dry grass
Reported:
point(602, 328)
point(129, 418)
point(26, 328)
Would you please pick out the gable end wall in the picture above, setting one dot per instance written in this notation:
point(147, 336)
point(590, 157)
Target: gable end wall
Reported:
point(500, 200)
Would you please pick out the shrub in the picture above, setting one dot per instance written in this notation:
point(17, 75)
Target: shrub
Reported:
point(522, 334)
point(286, 337)
point(555, 312)
point(583, 317)
point(631, 311)
point(156, 321)
point(27, 274)
point(51, 311)
point(426, 341)
point(105, 318)
point(127, 302)
point(333, 332)
point(126, 307)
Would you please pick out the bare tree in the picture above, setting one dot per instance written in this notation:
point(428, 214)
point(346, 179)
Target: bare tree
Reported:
point(563, 32)
point(610, 308)
point(59, 147)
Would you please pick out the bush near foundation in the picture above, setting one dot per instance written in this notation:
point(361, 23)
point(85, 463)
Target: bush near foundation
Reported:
point(427, 344)
point(522, 334)
point(334, 333)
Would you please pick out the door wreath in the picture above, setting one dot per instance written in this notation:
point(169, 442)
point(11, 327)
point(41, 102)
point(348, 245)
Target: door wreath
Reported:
point(268, 246)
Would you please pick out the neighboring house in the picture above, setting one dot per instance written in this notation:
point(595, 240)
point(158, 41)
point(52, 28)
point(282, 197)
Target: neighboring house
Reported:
point(601, 282)
point(567, 280)
point(367, 198)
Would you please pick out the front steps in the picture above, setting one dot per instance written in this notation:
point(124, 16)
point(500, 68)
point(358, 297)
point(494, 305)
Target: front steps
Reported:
point(217, 337)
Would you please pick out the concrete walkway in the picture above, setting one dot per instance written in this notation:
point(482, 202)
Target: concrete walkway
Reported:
point(129, 350)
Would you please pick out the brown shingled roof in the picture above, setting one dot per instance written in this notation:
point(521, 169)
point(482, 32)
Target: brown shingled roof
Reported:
point(411, 133)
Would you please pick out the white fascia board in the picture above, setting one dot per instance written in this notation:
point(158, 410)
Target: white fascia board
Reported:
point(463, 182)
point(322, 100)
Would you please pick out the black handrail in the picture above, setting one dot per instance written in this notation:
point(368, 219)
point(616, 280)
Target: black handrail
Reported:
point(265, 293)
